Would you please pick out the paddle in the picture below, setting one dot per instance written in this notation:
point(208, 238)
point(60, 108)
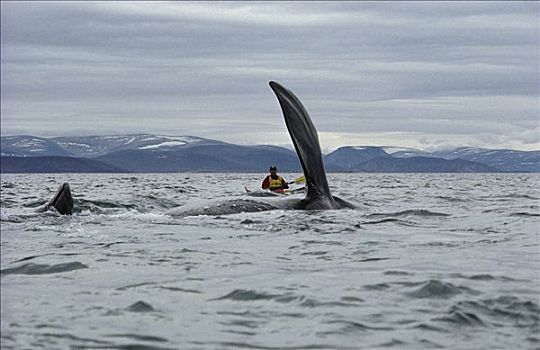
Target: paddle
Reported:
point(301, 179)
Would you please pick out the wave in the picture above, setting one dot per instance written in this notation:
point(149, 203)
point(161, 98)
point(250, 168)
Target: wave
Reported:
point(462, 318)
point(183, 290)
point(438, 289)
point(159, 286)
point(247, 295)
point(494, 312)
point(140, 306)
point(372, 259)
point(139, 337)
point(377, 286)
point(520, 196)
point(100, 206)
point(7, 217)
point(524, 312)
point(409, 212)
point(88, 343)
point(429, 327)
point(136, 285)
point(314, 241)
point(398, 273)
point(35, 204)
point(451, 199)
point(525, 214)
point(353, 326)
point(239, 345)
point(484, 277)
point(312, 303)
point(386, 220)
point(303, 301)
point(43, 269)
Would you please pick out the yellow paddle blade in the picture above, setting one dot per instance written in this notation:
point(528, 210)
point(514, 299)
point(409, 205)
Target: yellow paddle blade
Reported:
point(300, 179)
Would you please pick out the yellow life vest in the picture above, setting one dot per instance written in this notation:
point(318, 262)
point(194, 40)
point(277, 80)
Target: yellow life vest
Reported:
point(277, 183)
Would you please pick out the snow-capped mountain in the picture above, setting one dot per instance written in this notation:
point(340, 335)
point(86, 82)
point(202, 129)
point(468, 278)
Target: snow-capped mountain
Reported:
point(406, 152)
point(92, 146)
point(503, 159)
point(350, 158)
point(397, 160)
point(142, 153)
point(30, 146)
point(158, 153)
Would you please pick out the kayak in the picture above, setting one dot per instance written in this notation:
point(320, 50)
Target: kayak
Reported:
point(279, 193)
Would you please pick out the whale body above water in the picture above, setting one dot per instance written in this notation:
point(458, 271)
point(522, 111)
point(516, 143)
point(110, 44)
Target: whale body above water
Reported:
point(306, 143)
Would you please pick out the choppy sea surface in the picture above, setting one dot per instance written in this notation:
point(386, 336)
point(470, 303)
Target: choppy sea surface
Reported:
point(426, 261)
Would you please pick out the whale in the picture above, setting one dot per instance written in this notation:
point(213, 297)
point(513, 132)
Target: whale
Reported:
point(305, 140)
point(62, 201)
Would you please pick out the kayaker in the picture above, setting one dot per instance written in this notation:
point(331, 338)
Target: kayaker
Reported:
point(274, 182)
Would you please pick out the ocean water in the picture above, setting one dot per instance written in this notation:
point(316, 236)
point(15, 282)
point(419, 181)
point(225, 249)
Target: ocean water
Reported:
point(426, 261)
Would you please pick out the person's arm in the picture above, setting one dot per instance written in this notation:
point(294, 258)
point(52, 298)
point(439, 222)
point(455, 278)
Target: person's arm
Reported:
point(266, 183)
point(284, 184)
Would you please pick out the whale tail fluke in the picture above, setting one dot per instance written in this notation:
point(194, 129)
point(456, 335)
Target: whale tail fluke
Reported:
point(62, 201)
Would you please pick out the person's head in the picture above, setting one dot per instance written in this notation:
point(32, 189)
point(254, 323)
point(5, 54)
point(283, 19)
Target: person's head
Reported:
point(273, 170)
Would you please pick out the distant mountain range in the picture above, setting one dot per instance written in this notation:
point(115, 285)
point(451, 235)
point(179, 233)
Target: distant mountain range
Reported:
point(153, 153)
point(55, 164)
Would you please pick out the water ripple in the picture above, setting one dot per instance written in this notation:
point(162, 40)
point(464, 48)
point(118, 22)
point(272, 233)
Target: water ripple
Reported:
point(42, 269)
point(410, 212)
point(303, 301)
point(140, 306)
point(438, 289)
point(241, 345)
point(352, 326)
point(139, 337)
point(247, 295)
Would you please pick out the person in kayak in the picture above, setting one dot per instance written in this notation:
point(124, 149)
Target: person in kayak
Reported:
point(274, 182)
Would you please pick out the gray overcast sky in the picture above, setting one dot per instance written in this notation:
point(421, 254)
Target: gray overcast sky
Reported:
point(421, 74)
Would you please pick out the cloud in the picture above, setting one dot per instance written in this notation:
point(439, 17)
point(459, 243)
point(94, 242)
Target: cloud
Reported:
point(443, 70)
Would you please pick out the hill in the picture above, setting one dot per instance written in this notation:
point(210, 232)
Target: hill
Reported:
point(55, 164)
point(158, 153)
